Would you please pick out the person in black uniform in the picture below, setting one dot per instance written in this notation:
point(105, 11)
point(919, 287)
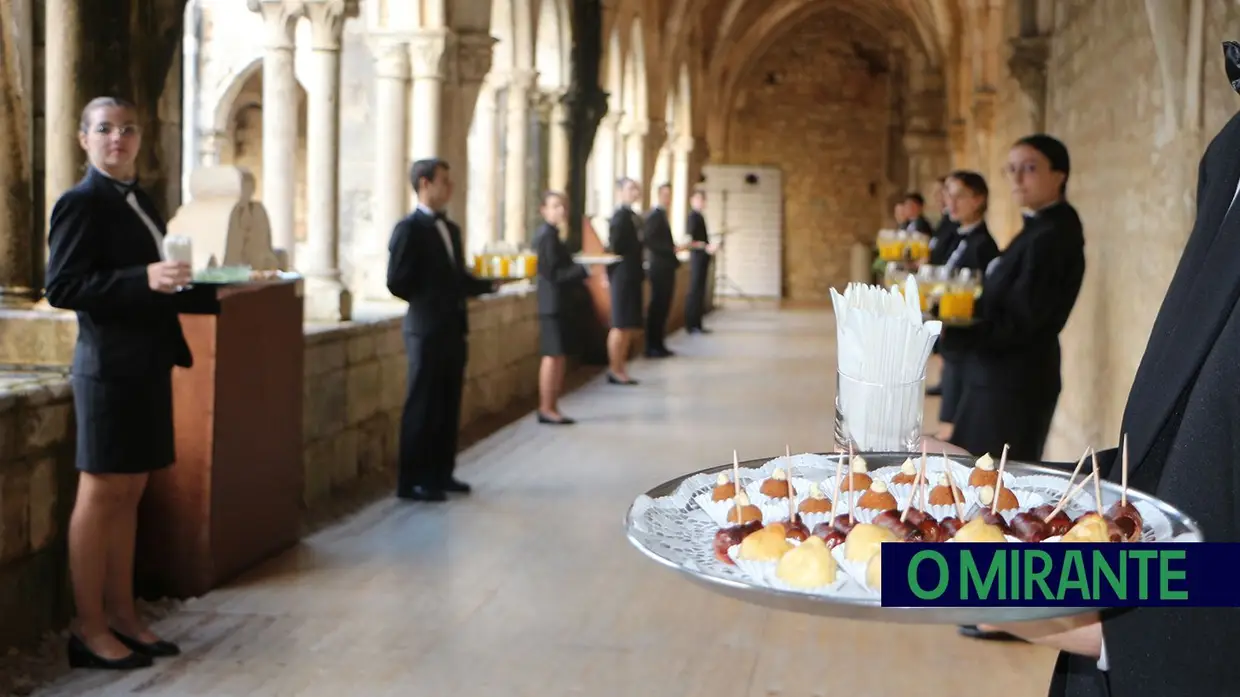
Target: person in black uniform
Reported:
point(1010, 358)
point(1182, 421)
point(970, 247)
point(558, 276)
point(699, 263)
point(914, 211)
point(426, 268)
point(105, 261)
point(942, 234)
point(661, 253)
point(625, 280)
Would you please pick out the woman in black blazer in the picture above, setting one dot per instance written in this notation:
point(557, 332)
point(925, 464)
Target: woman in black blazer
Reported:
point(557, 278)
point(105, 262)
point(966, 243)
point(1010, 358)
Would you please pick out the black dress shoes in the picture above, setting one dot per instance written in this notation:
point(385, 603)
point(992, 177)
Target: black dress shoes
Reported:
point(613, 380)
point(423, 493)
point(456, 486)
point(155, 649)
point(659, 353)
point(975, 632)
point(80, 656)
point(698, 330)
point(562, 421)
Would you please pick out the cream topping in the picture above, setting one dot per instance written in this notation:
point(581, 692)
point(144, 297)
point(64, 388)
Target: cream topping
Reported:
point(722, 480)
point(879, 487)
point(986, 494)
point(815, 492)
point(779, 474)
point(985, 462)
point(858, 464)
point(908, 467)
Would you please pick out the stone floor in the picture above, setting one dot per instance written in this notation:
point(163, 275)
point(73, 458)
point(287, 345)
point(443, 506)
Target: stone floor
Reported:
point(529, 587)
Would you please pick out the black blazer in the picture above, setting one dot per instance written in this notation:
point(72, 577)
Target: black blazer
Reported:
point(695, 225)
point(421, 272)
point(555, 270)
point(625, 240)
point(660, 247)
point(1183, 425)
point(1027, 295)
point(99, 250)
point(979, 248)
point(919, 224)
point(942, 240)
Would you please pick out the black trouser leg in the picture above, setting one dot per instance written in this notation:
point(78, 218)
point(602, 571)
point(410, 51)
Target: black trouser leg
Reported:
point(662, 286)
point(695, 299)
point(448, 432)
point(417, 419)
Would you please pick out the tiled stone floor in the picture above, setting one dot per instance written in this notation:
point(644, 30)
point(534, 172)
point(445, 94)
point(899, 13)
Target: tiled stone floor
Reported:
point(529, 587)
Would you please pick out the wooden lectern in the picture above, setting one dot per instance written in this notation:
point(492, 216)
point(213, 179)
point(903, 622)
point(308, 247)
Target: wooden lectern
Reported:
point(233, 498)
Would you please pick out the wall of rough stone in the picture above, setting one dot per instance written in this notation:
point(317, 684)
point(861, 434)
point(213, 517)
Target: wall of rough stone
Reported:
point(354, 391)
point(1134, 184)
point(811, 106)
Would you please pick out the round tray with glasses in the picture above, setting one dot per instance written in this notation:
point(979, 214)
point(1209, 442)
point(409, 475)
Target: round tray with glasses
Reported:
point(675, 523)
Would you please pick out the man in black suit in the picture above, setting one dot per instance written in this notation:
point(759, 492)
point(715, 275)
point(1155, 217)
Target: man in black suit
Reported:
point(661, 253)
point(699, 263)
point(915, 214)
point(427, 269)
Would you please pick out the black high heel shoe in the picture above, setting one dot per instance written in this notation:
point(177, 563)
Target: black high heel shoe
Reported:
point(562, 421)
point(155, 649)
point(80, 656)
point(612, 379)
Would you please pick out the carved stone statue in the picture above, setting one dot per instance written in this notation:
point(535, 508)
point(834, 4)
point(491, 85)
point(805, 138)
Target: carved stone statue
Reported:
point(227, 226)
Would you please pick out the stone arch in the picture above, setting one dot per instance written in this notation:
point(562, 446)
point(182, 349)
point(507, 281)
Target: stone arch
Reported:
point(636, 98)
point(238, 123)
point(551, 45)
point(613, 82)
point(512, 24)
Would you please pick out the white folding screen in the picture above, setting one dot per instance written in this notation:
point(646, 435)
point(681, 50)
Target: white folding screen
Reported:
point(744, 211)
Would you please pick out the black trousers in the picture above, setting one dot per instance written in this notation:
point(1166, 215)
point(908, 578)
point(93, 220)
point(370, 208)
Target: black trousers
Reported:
point(430, 424)
point(662, 287)
point(951, 386)
point(989, 417)
point(695, 299)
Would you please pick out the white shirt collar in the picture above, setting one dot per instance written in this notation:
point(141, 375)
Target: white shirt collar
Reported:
point(966, 229)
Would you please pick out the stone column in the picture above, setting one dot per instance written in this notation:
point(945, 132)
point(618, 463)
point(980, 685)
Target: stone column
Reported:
point(428, 51)
point(1027, 64)
point(326, 297)
point(63, 157)
point(516, 160)
point(391, 183)
point(635, 147)
point(280, 121)
point(682, 154)
point(483, 188)
point(557, 150)
point(210, 146)
point(605, 164)
point(470, 61)
point(620, 146)
point(16, 162)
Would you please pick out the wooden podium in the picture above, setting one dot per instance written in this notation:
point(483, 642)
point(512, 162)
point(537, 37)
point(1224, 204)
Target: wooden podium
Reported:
point(233, 498)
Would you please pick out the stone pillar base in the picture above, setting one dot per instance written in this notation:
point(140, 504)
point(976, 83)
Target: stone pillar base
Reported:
point(37, 337)
point(327, 300)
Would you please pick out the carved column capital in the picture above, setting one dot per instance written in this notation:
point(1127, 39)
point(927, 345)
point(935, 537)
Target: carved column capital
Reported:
point(924, 142)
point(473, 56)
point(279, 21)
point(682, 143)
point(1027, 63)
point(633, 127)
point(391, 57)
point(428, 53)
point(327, 19)
point(546, 102)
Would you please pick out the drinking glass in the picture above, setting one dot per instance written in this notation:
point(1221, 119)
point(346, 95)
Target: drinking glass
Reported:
point(179, 248)
point(879, 417)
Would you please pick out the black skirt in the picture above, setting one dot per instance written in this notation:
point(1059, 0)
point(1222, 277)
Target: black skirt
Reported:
point(987, 418)
point(124, 425)
point(555, 336)
point(626, 295)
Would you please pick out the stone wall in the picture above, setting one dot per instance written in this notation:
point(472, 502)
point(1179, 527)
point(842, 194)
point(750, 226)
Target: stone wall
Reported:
point(812, 107)
point(355, 386)
point(354, 391)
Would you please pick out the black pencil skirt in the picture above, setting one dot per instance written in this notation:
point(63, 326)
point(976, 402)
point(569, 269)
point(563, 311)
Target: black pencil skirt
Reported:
point(124, 425)
point(555, 336)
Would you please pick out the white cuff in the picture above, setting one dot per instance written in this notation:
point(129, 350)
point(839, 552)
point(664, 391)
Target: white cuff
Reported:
point(1103, 665)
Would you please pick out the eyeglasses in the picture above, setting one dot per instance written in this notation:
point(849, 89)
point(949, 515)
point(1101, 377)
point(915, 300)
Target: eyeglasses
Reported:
point(125, 131)
point(1022, 169)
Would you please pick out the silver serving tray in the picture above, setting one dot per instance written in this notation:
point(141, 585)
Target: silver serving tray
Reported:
point(667, 525)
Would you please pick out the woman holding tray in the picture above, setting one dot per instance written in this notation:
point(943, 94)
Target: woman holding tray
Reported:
point(558, 277)
point(967, 245)
point(105, 261)
point(1183, 426)
point(1009, 360)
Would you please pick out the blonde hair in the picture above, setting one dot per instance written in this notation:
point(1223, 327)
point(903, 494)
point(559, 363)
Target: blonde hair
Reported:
point(100, 102)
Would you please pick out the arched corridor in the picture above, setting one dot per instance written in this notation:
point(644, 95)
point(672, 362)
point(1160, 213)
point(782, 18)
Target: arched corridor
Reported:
point(529, 587)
